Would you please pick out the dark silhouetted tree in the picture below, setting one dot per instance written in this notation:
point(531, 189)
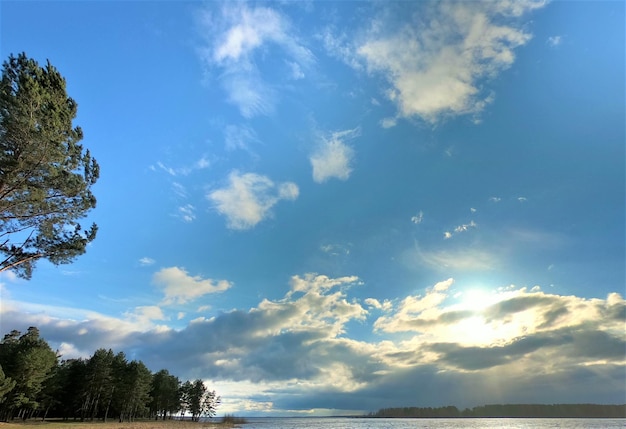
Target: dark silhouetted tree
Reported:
point(165, 393)
point(6, 385)
point(99, 381)
point(29, 361)
point(198, 400)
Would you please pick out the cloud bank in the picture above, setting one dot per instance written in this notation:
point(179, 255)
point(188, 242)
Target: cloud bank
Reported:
point(301, 352)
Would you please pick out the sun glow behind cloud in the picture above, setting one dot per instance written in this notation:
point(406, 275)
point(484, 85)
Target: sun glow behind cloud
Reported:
point(302, 336)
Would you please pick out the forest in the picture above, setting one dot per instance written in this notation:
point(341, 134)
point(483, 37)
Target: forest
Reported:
point(510, 410)
point(36, 382)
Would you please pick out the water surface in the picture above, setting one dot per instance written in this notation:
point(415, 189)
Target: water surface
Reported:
point(473, 423)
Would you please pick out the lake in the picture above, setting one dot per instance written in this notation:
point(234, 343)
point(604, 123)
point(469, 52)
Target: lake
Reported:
point(367, 423)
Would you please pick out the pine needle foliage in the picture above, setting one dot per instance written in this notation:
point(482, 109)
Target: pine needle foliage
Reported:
point(45, 175)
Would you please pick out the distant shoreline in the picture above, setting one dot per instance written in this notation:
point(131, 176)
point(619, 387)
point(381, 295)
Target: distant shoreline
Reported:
point(532, 411)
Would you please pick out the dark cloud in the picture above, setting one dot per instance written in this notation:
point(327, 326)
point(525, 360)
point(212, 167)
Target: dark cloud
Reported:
point(507, 308)
point(552, 315)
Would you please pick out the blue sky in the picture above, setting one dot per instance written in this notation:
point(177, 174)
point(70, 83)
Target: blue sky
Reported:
point(334, 207)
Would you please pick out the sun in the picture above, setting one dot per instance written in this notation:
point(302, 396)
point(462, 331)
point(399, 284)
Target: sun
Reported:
point(475, 329)
point(476, 299)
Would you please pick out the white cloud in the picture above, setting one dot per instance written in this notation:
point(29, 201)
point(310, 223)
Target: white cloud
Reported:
point(386, 305)
point(554, 41)
point(202, 163)
point(436, 64)
point(317, 283)
point(179, 287)
point(333, 157)
point(388, 122)
point(145, 261)
point(168, 170)
point(69, 351)
point(465, 227)
point(145, 315)
point(248, 198)
point(417, 219)
point(288, 191)
point(187, 213)
point(247, 29)
point(336, 249)
point(8, 275)
point(234, 35)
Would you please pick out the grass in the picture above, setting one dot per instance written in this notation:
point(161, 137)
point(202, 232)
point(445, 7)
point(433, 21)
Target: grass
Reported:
point(114, 424)
point(229, 419)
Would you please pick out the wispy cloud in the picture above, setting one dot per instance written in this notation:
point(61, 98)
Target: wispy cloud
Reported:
point(459, 229)
point(179, 287)
point(460, 259)
point(339, 45)
point(336, 249)
point(187, 213)
point(234, 35)
point(333, 156)
point(418, 218)
point(146, 261)
point(199, 164)
point(295, 69)
point(554, 41)
point(436, 64)
point(240, 137)
point(179, 189)
point(388, 122)
point(248, 198)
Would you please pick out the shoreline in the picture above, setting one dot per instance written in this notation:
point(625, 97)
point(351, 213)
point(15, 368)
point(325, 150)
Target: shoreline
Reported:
point(114, 424)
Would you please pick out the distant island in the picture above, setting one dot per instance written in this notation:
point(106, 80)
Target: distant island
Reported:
point(508, 410)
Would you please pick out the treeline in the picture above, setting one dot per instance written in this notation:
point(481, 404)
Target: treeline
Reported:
point(35, 382)
point(510, 410)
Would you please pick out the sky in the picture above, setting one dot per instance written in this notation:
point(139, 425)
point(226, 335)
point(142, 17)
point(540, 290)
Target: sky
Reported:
point(326, 208)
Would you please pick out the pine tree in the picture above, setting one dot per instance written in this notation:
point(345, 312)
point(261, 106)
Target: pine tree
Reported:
point(45, 176)
point(29, 361)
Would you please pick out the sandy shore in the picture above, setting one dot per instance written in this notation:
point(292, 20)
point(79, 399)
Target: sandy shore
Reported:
point(145, 424)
